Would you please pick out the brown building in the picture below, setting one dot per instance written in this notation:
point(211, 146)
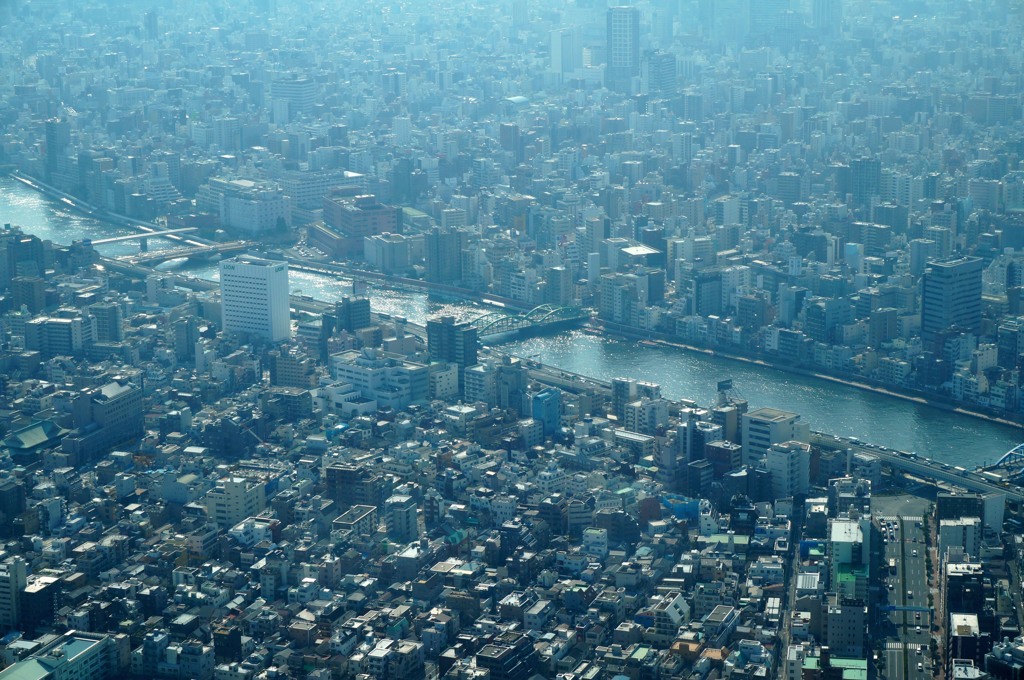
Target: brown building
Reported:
point(357, 217)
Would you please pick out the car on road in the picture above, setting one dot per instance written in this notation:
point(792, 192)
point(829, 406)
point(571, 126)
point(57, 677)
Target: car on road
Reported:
point(918, 629)
point(920, 666)
point(910, 594)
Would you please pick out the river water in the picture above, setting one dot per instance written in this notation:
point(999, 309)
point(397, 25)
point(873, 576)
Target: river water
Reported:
point(847, 411)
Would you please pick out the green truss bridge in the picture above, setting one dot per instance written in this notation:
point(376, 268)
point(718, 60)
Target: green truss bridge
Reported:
point(541, 319)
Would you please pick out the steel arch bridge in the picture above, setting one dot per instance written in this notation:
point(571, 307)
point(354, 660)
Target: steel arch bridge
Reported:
point(495, 323)
point(1012, 462)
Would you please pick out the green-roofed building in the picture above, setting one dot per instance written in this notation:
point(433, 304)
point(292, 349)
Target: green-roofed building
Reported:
point(25, 446)
point(851, 581)
point(81, 656)
point(815, 663)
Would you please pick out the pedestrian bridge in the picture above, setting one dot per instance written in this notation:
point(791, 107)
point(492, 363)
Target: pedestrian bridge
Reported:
point(537, 319)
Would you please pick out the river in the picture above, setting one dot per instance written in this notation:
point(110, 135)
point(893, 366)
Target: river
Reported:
point(847, 411)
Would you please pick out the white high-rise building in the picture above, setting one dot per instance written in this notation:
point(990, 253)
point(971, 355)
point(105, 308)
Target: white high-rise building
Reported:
point(767, 426)
point(234, 499)
point(13, 579)
point(254, 297)
point(564, 50)
point(789, 464)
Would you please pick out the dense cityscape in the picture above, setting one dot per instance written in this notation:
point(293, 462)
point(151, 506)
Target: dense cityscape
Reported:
point(225, 477)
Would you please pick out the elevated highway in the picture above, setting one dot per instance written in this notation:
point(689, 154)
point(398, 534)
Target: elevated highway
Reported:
point(193, 252)
point(972, 480)
point(143, 237)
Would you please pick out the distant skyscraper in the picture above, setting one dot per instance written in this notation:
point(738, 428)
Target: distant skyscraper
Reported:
point(827, 16)
point(520, 14)
point(706, 16)
point(764, 15)
point(565, 51)
point(443, 255)
point(951, 296)
point(623, 60)
point(58, 139)
point(151, 24)
point(865, 179)
point(661, 72)
point(254, 297)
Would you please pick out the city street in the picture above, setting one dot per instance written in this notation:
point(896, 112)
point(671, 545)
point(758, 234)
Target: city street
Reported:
point(904, 608)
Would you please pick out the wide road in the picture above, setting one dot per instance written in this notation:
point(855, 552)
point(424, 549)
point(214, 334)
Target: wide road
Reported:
point(906, 632)
point(916, 632)
point(893, 594)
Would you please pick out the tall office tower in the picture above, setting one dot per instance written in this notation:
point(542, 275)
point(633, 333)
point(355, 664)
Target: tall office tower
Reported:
point(827, 17)
point(30, 292)
point(40, 601)
point(921, 251)
point(58, 139)
point(452, 342)
point(443, 254)
point(951, 297)
point(598, 229)
point(865, 179)
point(108, 321)
point(559, 286)
point(13, 578)
point(20, 255)
point(151, 24)
point(623, 47)
point(254, 297)
point(765, 15)
point(565, 51)
point(623, 392)
point(299, 93)
point(350, 314)
point(661, 72)
point(706, 16)
point(520, 14)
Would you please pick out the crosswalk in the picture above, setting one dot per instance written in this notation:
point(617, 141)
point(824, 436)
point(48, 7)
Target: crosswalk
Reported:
point(895, 645)
point(905, 518)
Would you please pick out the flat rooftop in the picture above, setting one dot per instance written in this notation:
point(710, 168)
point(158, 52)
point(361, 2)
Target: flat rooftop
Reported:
point(772, 414)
